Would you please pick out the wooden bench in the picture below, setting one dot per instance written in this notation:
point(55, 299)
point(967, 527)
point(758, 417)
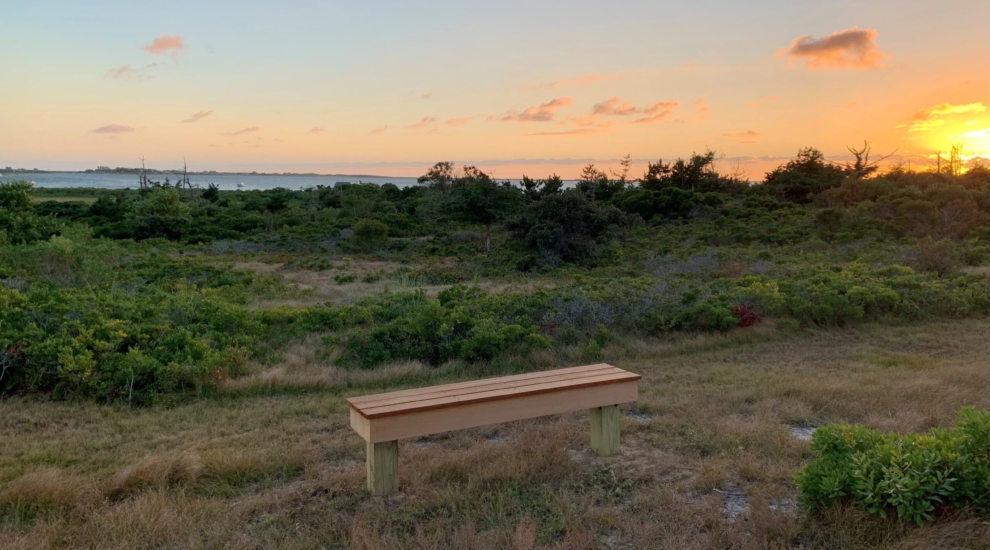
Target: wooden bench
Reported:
point(385, 418)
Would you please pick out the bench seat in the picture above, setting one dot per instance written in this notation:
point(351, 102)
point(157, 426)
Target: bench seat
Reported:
point(383, 419)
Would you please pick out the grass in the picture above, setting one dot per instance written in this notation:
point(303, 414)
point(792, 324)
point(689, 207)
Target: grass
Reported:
point(707, 453)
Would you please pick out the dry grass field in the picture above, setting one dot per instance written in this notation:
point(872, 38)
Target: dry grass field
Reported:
point(707, 456)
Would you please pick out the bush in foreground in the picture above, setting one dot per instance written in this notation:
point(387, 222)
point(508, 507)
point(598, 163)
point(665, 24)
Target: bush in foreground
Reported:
point(916, 477)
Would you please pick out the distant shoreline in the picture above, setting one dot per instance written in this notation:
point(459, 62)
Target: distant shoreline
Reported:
point(154, 172)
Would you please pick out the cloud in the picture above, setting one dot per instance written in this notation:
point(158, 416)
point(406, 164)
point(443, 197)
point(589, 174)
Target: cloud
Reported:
point(241, 132)
point(925, 125)
point(113, 129)
point(849, 49)
point(948, 109)
point(934, 117)
point(572, 132)
point(539, 113)
point(576, 81)
point(379, 130)
point(589, 120)
point(424, 122)
point(315, 130)
point(166, 44)
point(427, 96)
point(196, 117)
point(589, 124)
point(126, 72)
point(458, 121)
point(748, 136)
point(614, 106)
point(658, 111)
point(701, 110)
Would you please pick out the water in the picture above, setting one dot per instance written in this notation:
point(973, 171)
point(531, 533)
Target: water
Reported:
point(121, 181)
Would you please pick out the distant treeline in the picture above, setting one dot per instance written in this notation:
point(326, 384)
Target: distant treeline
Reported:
point(540, 223)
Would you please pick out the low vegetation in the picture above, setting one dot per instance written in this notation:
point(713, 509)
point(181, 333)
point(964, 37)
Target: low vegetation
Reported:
point(913, 477)
point(235, 312)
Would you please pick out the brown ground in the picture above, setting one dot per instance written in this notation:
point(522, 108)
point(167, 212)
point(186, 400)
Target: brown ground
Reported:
point(706, 462)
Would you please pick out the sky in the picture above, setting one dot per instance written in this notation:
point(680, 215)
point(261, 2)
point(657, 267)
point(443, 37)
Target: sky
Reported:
point(388, 88)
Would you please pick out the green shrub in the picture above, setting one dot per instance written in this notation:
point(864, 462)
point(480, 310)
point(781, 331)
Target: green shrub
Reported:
point(461, 323)
point(938, 256)
point(370, 234)
point(915, 477)
point(160, 214)
point(564, 228)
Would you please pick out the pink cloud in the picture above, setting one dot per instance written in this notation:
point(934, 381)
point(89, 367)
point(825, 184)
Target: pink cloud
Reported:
point(588, 120)
point(659, 111)
point(613, 106)
point(424, 122)
point(248, 130)
point(166, 44)
point(113, 129)
point(126, 72)
point(427, 96)
point(539, 113)
point(458, 121)
point(379, 130)
point(196, 117)
point(701, 110)
point(748, 136)
point(586, 130)
point(315, 130)
point(848, 49)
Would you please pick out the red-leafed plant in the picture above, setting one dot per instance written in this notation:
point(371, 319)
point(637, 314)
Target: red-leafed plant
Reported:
point(747, 317)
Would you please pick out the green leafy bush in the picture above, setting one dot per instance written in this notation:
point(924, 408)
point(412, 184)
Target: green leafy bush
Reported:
point(461, 323)
point(564, 228)
point(915, 477)
point(370, 234)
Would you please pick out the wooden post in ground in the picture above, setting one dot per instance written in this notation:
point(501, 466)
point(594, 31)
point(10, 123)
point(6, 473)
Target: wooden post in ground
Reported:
point(605, 430)
point(383, 468)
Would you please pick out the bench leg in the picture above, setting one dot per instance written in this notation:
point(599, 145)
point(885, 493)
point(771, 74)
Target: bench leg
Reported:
point(605, 430)
point(383, 468)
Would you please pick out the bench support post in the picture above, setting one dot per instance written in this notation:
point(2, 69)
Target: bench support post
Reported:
point(605, 430)
point(383, 468)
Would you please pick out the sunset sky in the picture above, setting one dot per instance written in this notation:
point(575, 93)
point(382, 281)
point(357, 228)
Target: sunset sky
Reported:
point(388, 88)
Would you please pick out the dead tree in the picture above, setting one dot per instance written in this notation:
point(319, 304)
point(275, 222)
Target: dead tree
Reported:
point(863, 166)
point(143, 179)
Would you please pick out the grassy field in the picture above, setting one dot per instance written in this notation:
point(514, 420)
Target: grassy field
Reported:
point(707, 455)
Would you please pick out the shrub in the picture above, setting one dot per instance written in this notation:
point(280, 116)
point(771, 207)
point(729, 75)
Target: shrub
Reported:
point(565, 228)
point(915, 477)
point(370, 234)
point(161, 214)
point(746, 316)
point(938, 256)
point(461, 323)
point(804, 177)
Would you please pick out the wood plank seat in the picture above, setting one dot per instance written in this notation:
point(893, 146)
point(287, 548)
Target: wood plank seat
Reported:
point(383, 419)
